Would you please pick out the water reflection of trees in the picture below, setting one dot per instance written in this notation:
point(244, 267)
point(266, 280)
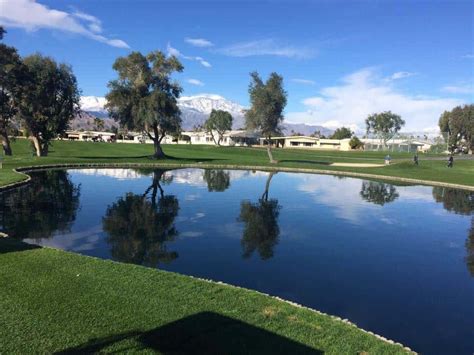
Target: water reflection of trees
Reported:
point(217, 180)
point(460, 202)
point(455, 200)
point(48, 204)
point(139, 226)
point(261, 230)
point(378, 192)
point(470, 249)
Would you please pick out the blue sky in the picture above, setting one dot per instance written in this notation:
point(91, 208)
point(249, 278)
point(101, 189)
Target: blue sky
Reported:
point(340, 59)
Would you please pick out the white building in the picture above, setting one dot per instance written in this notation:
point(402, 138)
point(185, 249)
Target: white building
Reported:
point(308, 143)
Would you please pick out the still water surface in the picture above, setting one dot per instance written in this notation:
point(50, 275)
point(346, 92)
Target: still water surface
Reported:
point(396, 260)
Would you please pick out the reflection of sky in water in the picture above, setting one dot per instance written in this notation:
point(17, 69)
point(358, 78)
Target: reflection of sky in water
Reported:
point(398, 269)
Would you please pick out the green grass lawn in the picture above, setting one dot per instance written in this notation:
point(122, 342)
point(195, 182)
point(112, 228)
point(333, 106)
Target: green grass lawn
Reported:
point(55, 301)
point(88, 152)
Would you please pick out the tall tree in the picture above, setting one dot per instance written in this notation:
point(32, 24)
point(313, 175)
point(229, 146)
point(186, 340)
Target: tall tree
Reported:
point(459, 123)
point(342, 133)
point(12, 77)
point(144, 97)
point(267, 101)
point(385, 125)
point(49, 100)
point(219, 121)
point(261, 230)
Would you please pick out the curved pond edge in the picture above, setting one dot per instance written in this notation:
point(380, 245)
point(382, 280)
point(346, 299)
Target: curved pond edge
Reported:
point(279, 299)
point(25, 169)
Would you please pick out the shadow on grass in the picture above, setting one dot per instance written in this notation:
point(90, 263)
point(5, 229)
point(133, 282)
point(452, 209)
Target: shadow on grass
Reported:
point(305, 162)
point(8, 245)
point(206, 332)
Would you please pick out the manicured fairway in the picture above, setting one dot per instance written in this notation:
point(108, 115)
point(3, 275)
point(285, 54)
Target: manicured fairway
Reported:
point(431, 168)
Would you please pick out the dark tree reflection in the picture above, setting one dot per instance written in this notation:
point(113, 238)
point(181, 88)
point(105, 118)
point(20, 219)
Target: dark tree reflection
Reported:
point(459, 202)
point(378, 192)
point(48, 204)
point(261, 228)
point(217, 180)
point(139, 226)
point(455, 200)
point(470, 249)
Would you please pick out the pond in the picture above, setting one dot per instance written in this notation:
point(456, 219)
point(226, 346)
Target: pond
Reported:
point(397, 260)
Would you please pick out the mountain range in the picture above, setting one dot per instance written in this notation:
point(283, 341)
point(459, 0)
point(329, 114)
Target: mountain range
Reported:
point(194, 112)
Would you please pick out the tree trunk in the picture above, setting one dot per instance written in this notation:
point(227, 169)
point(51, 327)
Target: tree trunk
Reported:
point(37, 146)
point(7, 149)
point(269, 152)
point(159, 154)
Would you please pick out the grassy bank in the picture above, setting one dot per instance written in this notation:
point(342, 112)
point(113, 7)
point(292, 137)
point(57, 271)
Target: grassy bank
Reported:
point(55, 301)
point(432, 168)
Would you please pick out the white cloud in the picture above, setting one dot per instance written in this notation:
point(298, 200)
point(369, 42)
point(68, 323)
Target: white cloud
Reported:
point(303, 81)
point(195, 82)
point(401, 75)
point(174, 51)
point(266, 47)
point(363, 93)
point(32, 16)
point(459, 89)
point(198, 42)
point(468, 56)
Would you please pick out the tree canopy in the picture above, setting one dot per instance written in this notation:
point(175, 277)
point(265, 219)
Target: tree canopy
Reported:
point(219, 121)
point(12, 79)
point(459, 124)
point(385, 125)
point(144, 96)
point(49, 100)
point(267, 102)
point(342, 133)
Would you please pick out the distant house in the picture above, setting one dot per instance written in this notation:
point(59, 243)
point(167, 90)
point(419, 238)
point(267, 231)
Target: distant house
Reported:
point(239, 138)
point(93, 136)
point(397, 145)
point(308, 143)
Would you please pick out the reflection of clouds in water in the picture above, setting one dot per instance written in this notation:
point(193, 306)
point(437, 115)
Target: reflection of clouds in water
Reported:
point(195, 177)
point(190, 234)
point(193, 218)
point(191, 197)
point(416, 193)
point(342, 195)
point(387, 220)
point(119, 174)
point(75, 241)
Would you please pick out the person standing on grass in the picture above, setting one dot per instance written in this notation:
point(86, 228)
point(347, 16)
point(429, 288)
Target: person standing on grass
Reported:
point(450, 161)
point(387, 159)
point(415, 159)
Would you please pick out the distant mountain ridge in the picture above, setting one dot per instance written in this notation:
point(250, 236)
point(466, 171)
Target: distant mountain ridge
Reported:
point(194, 112)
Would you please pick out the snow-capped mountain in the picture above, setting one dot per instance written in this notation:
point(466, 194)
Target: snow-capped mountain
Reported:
point(94, 105)
point(195, 110)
